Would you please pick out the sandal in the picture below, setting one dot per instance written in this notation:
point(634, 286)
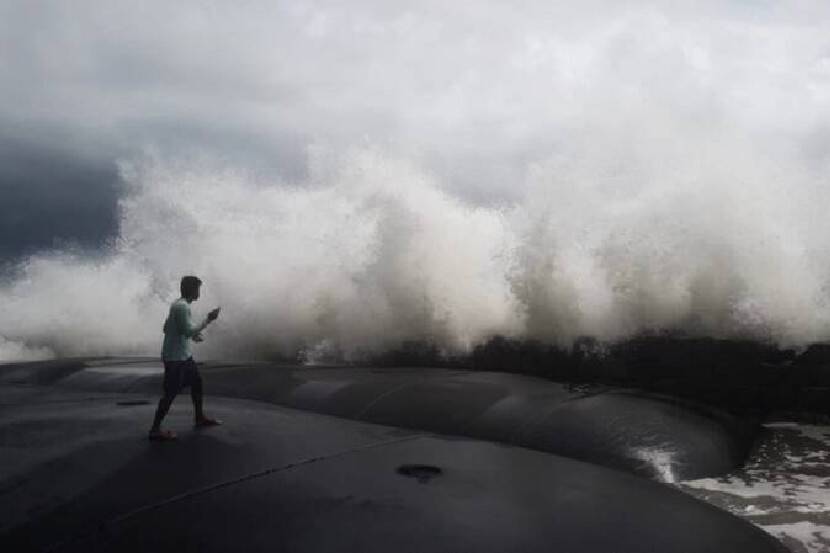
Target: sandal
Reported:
point(162, 436)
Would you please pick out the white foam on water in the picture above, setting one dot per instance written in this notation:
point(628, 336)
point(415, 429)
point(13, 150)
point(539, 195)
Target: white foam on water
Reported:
point(784, 487)
point(815, 538)
point(659, 460)
point(599, 171)
point(11, 350)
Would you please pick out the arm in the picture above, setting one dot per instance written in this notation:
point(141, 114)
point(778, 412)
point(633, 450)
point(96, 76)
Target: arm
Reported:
point(185, 325)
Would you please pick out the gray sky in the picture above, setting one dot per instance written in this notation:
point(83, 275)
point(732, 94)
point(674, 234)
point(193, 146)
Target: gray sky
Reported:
point(381, 170)
point(475, 93)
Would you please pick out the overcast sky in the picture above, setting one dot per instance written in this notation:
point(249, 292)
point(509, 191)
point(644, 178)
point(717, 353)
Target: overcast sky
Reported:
point(388, 170)
point(473, 92)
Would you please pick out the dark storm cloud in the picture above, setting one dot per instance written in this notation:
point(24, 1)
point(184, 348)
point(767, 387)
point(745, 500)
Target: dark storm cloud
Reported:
point(474, 92)
point(385, 170)
point(52, 198)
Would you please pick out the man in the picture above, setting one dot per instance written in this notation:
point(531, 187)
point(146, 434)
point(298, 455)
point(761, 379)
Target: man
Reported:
point(179, 368)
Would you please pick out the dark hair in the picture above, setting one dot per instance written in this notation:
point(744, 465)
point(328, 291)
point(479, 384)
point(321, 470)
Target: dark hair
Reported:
point(189, 284)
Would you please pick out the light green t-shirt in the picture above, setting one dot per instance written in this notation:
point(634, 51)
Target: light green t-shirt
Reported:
point(178, 331)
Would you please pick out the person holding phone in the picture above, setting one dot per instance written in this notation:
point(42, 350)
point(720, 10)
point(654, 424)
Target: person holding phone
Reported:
point(180, 370)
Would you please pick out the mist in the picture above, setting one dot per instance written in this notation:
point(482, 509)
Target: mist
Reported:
point(348, 179)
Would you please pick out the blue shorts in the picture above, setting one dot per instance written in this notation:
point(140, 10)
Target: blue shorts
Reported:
point(180, 374)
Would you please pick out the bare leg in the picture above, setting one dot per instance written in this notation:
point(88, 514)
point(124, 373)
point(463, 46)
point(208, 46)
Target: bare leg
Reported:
point(199, 416)
point(196, 396)
point(164, 406)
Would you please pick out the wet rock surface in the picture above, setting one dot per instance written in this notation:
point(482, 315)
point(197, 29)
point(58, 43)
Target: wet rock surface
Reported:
point(279, 479)
point(658, 436)
point(748, 376)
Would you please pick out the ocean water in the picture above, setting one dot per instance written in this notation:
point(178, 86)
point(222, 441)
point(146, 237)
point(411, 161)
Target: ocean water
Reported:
point(783, 488)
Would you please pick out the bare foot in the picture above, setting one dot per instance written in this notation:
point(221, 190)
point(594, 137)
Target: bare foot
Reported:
point(203, 422)
point(161, 435)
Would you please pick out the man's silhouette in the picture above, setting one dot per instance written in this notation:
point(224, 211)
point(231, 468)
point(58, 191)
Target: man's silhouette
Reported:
point(179, 368)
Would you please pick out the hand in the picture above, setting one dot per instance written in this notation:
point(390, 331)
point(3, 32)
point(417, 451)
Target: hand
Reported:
point(213, 315)
point(198, 338)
